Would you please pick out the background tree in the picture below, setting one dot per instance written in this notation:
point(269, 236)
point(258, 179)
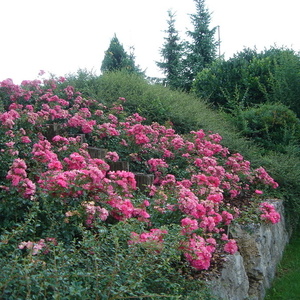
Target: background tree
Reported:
point(250, 78)
point(116, 58)
point(260, 92)
point(171, 53)
point(201, 49)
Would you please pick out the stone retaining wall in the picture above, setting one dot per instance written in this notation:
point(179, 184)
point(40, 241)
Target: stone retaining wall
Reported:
point(248, 273)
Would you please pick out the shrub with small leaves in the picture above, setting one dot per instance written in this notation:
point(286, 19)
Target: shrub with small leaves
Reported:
point(72, 226)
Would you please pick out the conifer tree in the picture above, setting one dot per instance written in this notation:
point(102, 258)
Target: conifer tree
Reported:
point(171, 53)
point(201, 50)
point(116, 58)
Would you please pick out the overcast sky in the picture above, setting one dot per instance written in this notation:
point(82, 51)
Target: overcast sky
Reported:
point(61, 36)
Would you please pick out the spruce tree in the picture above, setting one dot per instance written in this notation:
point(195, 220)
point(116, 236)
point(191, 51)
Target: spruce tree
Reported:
point(171, 53)
point(201, 50)
point(116, 58)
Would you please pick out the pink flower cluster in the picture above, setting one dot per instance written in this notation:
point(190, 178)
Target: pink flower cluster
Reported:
point(8, 118)
point(269, 213)
point(265, 178)
point(199, 250)
point(18, 177)
point(86, 126)
point(36, 247)
point(152, 240)
point(94, 212)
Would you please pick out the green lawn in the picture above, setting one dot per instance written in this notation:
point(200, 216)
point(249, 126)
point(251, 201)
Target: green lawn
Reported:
point(286, 285)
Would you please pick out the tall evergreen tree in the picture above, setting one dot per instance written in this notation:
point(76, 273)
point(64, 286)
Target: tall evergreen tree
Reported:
point(171, 53)
point(201, 50)
point(116, 58)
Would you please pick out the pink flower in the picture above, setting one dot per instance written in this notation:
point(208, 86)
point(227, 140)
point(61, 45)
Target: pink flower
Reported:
point(197, 252)
point(178, 143)
point(10, 144)
point(216, 198)
point(25, 139)
point(208, 224)
point(113, 156)
point(69, 90)
point(141, 139)
point(265, 178)
point(188, 201)
point(122, 209)
point(152, 240)
point(258, 192)
point(189, 225)
point(233, 193)
point(8, 118)
point(138, 118)
point(76, 161)
point(27, 245)
point(146, 203)
point(227, 217)
point(28, 188)
point(55, 165)
point(156, 164)
point(231, 246)
point(93, 212)
point(34, 247)
point(269, 213)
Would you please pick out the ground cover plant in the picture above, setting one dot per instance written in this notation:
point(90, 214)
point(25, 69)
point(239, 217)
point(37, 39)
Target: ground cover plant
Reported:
point(72, 226)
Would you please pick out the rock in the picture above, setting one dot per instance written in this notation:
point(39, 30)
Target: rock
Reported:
point(248, 273)
point(233, 283)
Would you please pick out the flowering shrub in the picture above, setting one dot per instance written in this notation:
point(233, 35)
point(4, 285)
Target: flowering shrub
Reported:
point(152, 240)
point(269, 214)
point(50, 181)
point(40, 246)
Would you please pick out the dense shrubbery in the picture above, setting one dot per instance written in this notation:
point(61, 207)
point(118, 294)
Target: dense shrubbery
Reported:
point(272, 126)
point(248, 87)
point(71, 227)
point(253, 78)
point(188, 112)
point(154, 102)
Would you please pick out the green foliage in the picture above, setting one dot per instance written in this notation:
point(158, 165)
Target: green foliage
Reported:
point(272, 75)
point(171, 53)
point(116, 58)
point(181, 61)
point(285, 80)
point(251, 87)
point(104, 267)
point(272, 126)
point(84, 80)
point(201, 50)
point(154, 102)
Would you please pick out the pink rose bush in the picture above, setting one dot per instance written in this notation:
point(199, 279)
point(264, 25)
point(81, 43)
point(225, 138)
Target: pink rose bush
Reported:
point(38, 247)
point(195, 182)
point(269, 213)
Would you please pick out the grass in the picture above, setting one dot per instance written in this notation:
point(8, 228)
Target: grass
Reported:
point(286, 285)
